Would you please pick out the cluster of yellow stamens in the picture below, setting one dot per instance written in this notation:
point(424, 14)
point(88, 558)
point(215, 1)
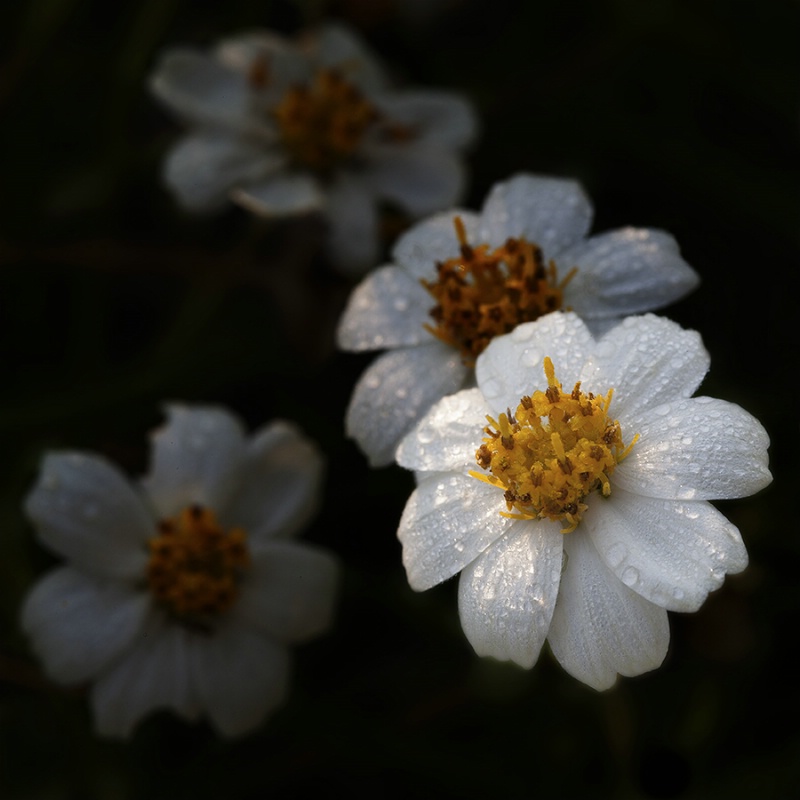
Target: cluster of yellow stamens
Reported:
point(550, 454)
point(322, 123)
point(195, 566)
point(483, 293)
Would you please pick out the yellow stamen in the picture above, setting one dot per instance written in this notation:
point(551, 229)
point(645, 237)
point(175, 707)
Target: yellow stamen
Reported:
point(483, 293)
point(554, 451)
point(195, 566)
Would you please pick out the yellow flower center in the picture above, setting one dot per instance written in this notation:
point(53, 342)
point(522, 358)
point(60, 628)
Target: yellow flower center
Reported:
point(483, 293)
point(322, 123)
point(195, 566)
point(552, 452)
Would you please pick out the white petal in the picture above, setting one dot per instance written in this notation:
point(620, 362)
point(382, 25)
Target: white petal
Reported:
point(552, 212)
point(202, 90)
point(195, 459)
point(352, 217)
point(647, 360)
point(289, 590)
point(600, 627)
point(395, 391)
point(448, 436)
point(671, 553)
point(432, 240)
point(203, 168)
point(626, 271)
point(79, 624)
point(506, 596)
point(283, 195)
point(695, 449)
point(387, 309)
point(448, 521)
point(85, 509)
point(432, 115)
point(279, 487)
point(240, 677)
point(337, 46)
point(512, 366)
point(419, 177)
point(154, 674)
point(283, 63)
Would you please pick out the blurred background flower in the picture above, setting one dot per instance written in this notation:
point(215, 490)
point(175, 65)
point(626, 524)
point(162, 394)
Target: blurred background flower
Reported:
point(674, 115)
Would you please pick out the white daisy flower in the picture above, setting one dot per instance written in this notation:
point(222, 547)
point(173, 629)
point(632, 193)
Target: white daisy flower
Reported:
point(286, 128)
point(184, 592)
point(579, 514)
point(461, 278)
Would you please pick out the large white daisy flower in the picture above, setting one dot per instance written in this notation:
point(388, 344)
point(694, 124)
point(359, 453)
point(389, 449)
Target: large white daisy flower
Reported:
point(184, 592)
point(286, 128)
point(570, 489)
point(460, 278)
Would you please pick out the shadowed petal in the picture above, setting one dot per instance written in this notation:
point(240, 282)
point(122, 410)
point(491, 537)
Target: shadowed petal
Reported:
point(85, 509)
point(552, 212)
point(289, 591)
point(78, 624)
point(395, 391)
point(240, 677)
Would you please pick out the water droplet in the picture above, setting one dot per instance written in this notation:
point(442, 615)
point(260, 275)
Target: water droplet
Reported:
point(616, 554)
point(372, 382)
point(630, 576)
point(400, 304)
point(425, 435)
point(678, 593)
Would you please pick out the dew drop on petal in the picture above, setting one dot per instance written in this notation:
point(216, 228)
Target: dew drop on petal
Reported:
point(616, 554)
point(630, 576)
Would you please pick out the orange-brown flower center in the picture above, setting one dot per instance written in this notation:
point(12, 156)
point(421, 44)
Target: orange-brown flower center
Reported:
point(195, 566)
point(483, 292)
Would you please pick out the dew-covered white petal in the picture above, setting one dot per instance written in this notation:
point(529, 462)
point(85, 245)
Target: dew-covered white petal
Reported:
point(624, 272)
point(444, 118)
point(351, 214)
point(289, 590)
point(448, 436)
point(153, 674)
point(240, 676)
point(387, 309)
point(507, 595)
point(552, 212)
point(601, 628)
point(647, 360)
point(420, 178)
point(195, 459)
point(79, 624)
point(395, 391)
point(284, 194)
point(448, 521)
point(84, 509)
point(279, 484)
point(202, 168)
point(700, 448)
point(513, 365)
point(671, 553)
point(419, 248)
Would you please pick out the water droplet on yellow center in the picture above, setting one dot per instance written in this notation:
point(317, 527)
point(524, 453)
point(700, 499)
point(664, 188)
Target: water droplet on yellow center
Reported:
point(195, 565)
point(552, 452)
point(483, 293)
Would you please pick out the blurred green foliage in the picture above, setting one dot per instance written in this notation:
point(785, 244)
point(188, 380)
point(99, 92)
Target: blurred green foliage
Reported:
point(678, 114)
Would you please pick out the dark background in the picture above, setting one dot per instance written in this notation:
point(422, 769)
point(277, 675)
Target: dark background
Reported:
point(678, 115)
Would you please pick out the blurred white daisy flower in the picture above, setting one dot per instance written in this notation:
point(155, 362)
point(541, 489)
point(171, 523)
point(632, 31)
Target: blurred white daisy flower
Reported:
point(285, 128)
point(184, 593)
point(461, 278)
point(579, 514)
